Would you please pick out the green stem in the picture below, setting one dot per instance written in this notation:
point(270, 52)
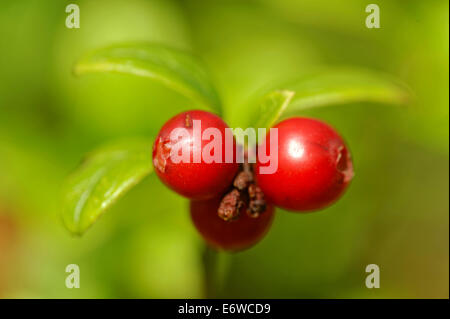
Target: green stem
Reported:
point(216, 268)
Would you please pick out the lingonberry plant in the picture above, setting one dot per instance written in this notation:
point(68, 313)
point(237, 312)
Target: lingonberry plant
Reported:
point(194, 177)
point(232, 235)
point(314, 166)
point(232, 204)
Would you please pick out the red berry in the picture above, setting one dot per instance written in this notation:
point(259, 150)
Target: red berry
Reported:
point(194, 176)
point(234, 235)
point(314, 166)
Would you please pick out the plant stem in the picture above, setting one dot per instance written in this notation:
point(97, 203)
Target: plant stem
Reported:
point(216, 268)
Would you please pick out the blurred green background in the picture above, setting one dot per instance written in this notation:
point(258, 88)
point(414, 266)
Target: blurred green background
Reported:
point(395, 214)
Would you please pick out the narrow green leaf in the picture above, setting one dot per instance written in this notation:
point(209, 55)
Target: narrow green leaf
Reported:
point(103, 177)
point(327, 89)
point(272, 106)
point(346, 86)
point(176, 69)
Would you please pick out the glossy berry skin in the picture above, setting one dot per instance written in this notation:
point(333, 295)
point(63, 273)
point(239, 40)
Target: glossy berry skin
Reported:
point(234, 235)
point(314, 166)
point(195, 180)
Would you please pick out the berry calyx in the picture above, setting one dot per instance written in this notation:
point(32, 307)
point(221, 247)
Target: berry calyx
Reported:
point(179, 155)
point(314, 166)
point(244, 191)
point(233, 235)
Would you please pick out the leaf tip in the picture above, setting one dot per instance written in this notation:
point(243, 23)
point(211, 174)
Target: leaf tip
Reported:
point(72, 228)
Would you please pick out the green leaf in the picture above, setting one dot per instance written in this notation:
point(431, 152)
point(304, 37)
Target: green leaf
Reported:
point(102, 178)
point(176, 69)
point(272, 106)
point(327, 89)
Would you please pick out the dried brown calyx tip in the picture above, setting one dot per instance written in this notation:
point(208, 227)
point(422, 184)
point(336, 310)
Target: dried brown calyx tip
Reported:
point(257, 204)
point(187, 121)
point(161, 153)
point(230, 205)
point(244, 192)
point(242, 180)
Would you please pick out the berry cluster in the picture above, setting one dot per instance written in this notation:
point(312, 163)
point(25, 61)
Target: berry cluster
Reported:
point(232, 204)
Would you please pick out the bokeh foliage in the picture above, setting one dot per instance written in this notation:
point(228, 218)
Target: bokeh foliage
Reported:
point(395, 213)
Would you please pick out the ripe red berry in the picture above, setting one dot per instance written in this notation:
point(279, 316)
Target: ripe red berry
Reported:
point(234, 235)
point(314, 166)
point(183, 156)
